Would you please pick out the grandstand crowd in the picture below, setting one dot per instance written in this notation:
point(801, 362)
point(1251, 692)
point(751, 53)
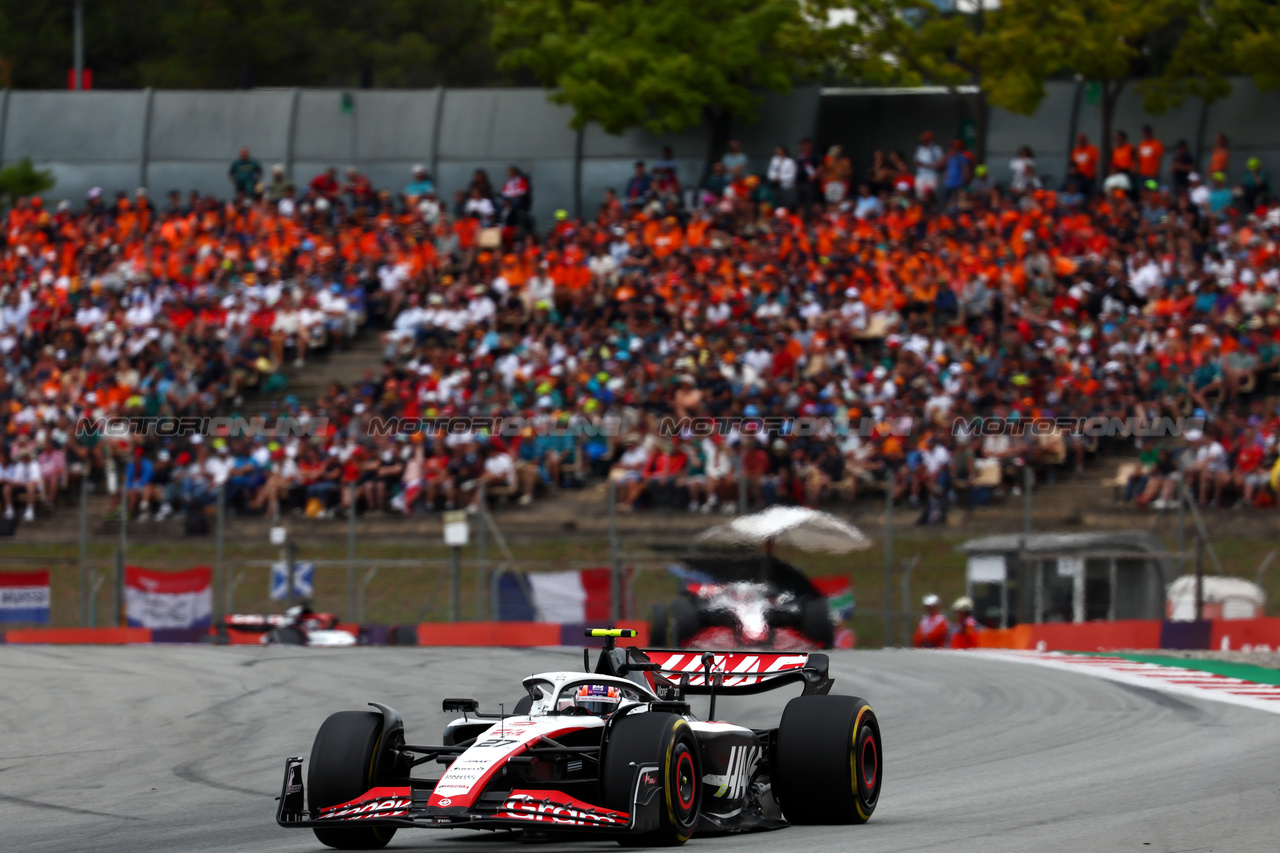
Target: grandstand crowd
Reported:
point(908, 292)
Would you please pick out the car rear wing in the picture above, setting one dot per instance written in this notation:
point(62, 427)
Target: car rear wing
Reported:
point(732, 673)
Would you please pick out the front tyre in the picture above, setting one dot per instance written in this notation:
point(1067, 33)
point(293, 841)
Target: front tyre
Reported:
point(665, 740)
point(829, 760)
point(341, 768)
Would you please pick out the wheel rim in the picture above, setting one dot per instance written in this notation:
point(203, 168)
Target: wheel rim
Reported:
point(870, 766)
point(682, 784)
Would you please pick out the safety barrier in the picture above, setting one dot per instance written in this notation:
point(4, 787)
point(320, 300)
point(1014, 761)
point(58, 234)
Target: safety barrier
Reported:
point(514, 634)
point(1225, 634)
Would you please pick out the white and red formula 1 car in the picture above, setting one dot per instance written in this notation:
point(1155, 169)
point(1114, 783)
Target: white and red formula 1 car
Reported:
point(610, 752)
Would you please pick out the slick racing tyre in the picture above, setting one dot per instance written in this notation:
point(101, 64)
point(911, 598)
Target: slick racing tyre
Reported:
point(667, 741)
point(829, 760)
point(658, 627)
point(341, 769)
point(683, 622)
point(815, 622)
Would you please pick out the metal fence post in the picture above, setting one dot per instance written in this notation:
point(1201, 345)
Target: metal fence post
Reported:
point(908, 566)
point(482, 530)
point(84, 551)
point(124, 546)
point(220, 537)
point(1028, 480)
point(615, 558)
point(455, 577)
point(291, 556)
point(888, 556)
point(351, 550)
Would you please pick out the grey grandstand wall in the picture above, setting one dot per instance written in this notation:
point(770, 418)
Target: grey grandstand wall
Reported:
point(185, 139)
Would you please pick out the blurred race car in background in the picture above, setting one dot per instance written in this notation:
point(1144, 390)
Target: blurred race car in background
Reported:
point(297, 626)
point(751, 601)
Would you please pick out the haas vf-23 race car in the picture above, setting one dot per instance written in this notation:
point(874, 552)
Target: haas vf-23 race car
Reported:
point(610, 752)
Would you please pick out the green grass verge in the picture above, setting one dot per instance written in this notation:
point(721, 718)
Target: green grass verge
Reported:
point(1243, 671)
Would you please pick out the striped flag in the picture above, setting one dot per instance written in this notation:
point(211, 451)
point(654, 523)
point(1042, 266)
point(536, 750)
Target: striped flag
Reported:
point(24, 596)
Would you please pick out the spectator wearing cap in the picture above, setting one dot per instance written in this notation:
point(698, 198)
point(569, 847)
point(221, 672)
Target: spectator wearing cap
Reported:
point(281, 185)
point(164, 487)
point(1209, 469)
point(932, 630)
point(964, 630)
point(420, 183)
point(1220, 195)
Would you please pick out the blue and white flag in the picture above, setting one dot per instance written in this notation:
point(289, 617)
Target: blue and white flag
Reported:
point(304, 576)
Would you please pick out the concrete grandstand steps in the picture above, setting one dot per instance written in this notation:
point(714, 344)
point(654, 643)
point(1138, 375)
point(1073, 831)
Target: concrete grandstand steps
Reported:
point(343, 366)
point(1074, 501)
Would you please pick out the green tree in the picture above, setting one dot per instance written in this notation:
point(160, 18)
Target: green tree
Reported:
point(21, 178)
point(909, 43)
point(1110, 42)
point(232, 43)
point(1229, 37)
point(663, 65)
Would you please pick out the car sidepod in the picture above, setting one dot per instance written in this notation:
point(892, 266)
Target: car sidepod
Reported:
point(737, 795)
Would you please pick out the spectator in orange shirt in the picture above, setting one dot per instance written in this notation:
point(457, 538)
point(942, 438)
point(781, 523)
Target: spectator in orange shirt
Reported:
point(1085, 156)
point(964, 630)
point(932, 631)
point(1122, 156)
point(1150, 155)
point(1221, 156)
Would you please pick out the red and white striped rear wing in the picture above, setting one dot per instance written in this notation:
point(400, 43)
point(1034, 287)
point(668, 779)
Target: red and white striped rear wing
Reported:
point(732, 673)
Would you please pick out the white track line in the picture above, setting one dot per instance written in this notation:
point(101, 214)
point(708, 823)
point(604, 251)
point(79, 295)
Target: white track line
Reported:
point(1169, 679)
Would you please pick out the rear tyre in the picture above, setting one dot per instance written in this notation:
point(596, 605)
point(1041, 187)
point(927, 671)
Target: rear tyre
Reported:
point(522, 707)
point(667, 741)
point(658, 627)
point(683, 621)
point(341, 769)
point(815, 622)
point(829, 760)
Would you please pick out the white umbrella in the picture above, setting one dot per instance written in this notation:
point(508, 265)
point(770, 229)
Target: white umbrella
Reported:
point(799, 527)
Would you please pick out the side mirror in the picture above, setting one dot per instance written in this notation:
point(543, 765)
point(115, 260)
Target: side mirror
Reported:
point(464, 705)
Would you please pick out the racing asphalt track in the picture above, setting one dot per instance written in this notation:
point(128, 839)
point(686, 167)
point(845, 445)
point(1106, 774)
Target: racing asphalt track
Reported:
point(183, 748)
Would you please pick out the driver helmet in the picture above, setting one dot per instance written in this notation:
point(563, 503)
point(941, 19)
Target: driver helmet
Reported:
point(597, 699)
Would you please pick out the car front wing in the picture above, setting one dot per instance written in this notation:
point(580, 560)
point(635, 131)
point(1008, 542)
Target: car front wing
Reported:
point(405, 805)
